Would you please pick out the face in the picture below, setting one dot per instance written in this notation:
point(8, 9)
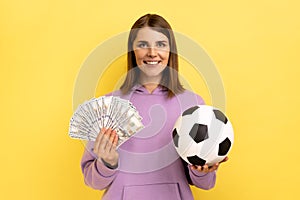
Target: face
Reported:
point(151, 49)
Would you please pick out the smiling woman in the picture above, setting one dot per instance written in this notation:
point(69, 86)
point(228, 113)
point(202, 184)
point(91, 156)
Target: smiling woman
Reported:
point(147, 166)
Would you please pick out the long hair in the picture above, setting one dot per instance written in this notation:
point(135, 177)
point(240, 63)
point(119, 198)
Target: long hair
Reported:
point(170, 80)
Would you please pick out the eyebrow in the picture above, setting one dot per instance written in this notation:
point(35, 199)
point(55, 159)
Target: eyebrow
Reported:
point(156, 41)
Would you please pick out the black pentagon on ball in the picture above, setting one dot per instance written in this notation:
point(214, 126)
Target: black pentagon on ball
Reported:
point(190, 110)
point(175, 137)
point(220, 116)
point(195, 160)
point(199, 132)
point(224, 147)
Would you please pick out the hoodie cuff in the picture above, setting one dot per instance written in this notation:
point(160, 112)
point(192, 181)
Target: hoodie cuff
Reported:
point(103, 170)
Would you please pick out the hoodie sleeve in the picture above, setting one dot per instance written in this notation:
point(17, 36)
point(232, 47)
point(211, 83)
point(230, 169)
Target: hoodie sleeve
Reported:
point(96, 174)
point(202, 180)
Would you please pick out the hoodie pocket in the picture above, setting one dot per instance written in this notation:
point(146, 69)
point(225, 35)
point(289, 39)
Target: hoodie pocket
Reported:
point(158, 191)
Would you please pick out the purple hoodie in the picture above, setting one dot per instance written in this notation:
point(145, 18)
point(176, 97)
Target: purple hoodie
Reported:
point(149, 166)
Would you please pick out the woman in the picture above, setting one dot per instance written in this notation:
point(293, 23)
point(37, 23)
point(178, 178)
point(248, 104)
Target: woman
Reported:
point(147, 165)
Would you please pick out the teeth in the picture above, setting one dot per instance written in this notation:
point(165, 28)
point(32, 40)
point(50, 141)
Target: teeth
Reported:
point(152, 63)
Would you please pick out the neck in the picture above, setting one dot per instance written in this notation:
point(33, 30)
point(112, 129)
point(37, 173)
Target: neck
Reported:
point(150, 83)
point(150, 87)
point(153, 79)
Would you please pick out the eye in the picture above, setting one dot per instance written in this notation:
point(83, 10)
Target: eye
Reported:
point(142, 45)
point(161, 44)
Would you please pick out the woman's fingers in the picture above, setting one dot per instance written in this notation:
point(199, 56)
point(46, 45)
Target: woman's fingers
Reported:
point(115, 142)
point(206, 168)
point(105, 141)
point(225, 159)
point(109, 144)
point(98, 140)
point(213, 168)
point(105, 146)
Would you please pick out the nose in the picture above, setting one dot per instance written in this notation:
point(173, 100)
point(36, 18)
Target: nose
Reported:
point(152, 52)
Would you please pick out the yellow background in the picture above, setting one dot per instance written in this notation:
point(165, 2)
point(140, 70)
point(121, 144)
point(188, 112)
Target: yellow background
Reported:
point(254, 44)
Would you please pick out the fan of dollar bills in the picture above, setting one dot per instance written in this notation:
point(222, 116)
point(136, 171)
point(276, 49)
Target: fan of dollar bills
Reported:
point(105, 112)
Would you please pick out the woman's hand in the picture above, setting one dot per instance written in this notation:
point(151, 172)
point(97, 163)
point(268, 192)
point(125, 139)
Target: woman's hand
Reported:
point(206, 168)
point(105, 146)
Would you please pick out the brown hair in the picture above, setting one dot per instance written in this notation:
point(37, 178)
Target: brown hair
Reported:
point(169, 79)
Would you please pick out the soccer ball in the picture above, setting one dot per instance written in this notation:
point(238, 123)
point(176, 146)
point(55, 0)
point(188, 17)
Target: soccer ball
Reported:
point(203, 135)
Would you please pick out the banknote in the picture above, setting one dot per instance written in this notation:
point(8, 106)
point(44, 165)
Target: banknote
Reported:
point(105, 112)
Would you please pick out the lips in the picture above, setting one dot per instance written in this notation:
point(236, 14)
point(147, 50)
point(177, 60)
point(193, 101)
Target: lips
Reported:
point(151, 62)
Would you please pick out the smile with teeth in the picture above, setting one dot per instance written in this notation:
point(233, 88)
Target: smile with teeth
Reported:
point(152, 62)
